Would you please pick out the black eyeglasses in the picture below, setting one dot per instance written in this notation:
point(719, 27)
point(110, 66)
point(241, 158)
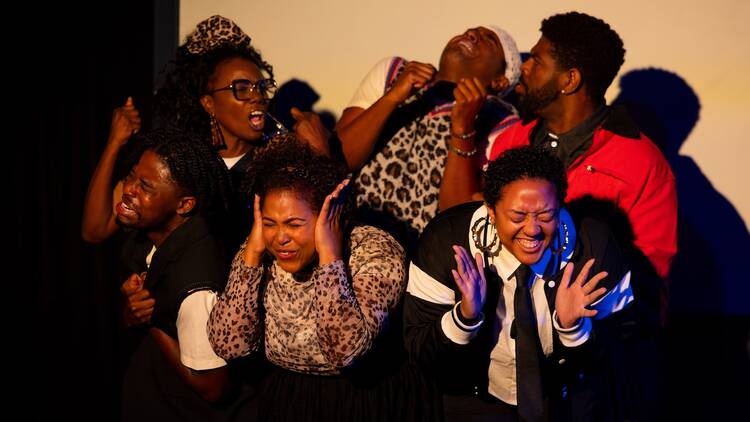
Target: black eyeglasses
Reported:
point(243, 88)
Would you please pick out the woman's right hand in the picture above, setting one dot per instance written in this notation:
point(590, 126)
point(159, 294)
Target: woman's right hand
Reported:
point(471, 281)
point(414, 76)
point(255, 246)
point(126, 121)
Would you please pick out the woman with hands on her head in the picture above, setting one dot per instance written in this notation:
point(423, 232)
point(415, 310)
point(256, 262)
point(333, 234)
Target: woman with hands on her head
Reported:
point(520, 291)
point(309, 287)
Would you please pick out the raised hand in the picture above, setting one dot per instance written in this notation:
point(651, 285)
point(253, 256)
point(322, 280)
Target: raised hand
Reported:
point(255, 246)
point(471, 281)
point(414, 76)
point(126, 121)
point(328, 227)
point(470, 95)
point(310, 129)
point(139, 304)
point(573, 298)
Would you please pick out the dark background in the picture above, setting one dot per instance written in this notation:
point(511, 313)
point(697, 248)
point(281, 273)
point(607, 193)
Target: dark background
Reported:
point(68, 85)
point(87, 62)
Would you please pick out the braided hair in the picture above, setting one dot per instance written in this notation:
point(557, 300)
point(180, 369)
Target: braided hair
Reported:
point(195, 168)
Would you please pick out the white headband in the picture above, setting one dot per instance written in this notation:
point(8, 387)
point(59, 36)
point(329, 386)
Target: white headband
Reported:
point(512, 58)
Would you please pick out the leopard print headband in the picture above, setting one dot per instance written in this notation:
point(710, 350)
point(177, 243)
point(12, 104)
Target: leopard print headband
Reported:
point(214, 31)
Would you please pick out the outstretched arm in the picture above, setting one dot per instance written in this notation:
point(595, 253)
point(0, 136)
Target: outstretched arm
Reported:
point(98, 215)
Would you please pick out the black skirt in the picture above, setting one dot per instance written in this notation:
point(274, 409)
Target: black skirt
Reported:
point(381, 386)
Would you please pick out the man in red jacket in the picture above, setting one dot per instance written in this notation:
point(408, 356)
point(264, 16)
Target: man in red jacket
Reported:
point(608, 160)
point(614, 172)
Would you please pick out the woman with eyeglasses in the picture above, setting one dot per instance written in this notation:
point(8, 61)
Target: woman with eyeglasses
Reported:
point(218, 87)
point(315, 294)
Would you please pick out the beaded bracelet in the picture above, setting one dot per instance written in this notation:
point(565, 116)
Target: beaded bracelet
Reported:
point(465, 136)
point(460, 152)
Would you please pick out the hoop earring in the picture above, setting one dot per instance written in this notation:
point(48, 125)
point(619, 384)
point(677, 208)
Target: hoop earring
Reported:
point(565, 243)
point(217, 138)
point(479, 229)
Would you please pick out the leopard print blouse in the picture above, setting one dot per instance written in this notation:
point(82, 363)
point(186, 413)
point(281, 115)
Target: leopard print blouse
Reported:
point(317, 326)
point(401, 180)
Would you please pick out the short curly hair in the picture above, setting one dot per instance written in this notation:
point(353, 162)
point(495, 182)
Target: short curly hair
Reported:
point(177, 99)
point(523, 163)
point(195, 167)
point(293, 165)
point(588, 44)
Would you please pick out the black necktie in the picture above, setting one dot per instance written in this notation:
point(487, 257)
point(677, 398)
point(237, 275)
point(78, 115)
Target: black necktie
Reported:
point(528, 351)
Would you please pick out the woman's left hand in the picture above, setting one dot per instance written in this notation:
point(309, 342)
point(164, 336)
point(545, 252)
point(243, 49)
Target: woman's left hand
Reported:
point(573, 298)
point(328, 228)
point(470, 95)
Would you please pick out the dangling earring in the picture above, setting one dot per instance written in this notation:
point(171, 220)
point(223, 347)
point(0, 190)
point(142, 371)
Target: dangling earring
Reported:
point(480, 229)
point(565, 242)
point(217, 138)
point(562, 92)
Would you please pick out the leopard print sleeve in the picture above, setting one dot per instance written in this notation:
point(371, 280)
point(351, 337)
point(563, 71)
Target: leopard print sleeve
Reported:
point(234, 327)
point(351, 314)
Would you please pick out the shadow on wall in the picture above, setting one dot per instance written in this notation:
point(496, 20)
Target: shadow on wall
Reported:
point(707, 273)
point(296, 93)
point(706, 338)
